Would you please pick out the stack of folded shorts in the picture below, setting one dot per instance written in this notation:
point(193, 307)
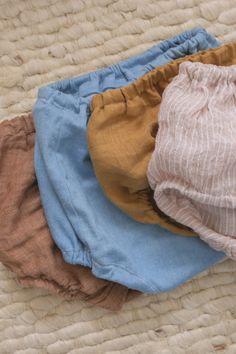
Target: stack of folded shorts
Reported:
point(100, 235)
point(137, 106)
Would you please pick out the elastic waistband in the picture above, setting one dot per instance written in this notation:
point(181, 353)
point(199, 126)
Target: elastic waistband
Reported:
point(209, 73)
point(224, 56)
point(20, 124)
point(73, 92)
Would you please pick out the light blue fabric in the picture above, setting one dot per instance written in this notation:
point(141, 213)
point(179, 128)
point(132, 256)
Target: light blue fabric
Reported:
point(87, 228)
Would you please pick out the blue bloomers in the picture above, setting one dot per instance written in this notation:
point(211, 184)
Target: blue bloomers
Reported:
point(84, 224)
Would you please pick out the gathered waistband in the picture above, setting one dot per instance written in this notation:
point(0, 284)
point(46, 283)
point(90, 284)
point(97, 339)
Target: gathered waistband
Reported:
point(72, 92)
point(224, 56)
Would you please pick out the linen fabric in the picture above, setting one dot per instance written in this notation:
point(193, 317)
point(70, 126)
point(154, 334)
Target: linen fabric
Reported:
point(193, 166)
point(122, 131)
point(88, 228)
point(26, 246)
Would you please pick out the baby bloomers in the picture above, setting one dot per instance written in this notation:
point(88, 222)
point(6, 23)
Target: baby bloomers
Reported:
point(193, 168)
point(122, 131)
point(26, 245)
point(85, 225)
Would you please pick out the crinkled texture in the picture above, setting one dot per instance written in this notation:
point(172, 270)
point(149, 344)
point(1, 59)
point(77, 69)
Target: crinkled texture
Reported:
point(122, 131)
point(26, 245)
point(193, 167)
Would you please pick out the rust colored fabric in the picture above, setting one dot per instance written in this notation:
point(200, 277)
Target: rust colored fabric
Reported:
point(121, 137)
point(26, 246)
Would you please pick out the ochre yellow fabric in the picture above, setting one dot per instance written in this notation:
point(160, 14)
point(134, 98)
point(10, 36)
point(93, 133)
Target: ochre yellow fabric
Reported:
point(121, 137)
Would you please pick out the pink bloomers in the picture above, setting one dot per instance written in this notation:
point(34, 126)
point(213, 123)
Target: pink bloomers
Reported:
point(193, 168)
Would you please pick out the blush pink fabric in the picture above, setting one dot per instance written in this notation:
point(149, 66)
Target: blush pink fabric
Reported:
point(193, 168)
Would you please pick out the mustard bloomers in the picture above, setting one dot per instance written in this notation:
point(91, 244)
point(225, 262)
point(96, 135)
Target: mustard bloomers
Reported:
point(121, 137)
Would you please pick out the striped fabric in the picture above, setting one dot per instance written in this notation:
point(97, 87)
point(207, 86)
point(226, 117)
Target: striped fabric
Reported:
point(193, 168)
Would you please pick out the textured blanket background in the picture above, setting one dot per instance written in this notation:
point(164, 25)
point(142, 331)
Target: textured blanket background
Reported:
point(46, 40)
